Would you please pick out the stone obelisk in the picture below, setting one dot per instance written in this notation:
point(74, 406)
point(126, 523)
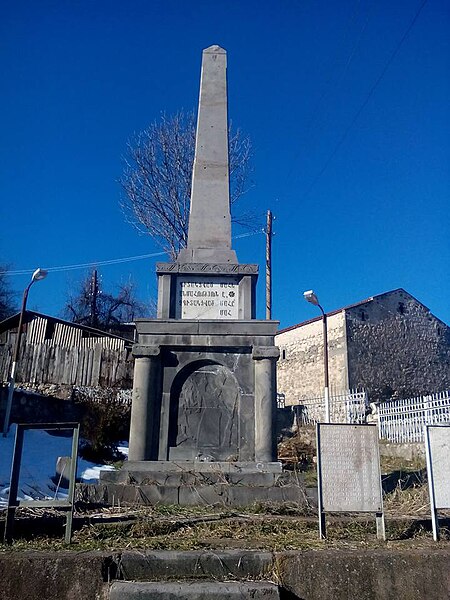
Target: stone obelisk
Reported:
point(209, 237)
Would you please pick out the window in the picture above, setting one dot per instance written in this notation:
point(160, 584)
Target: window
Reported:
point(401, 308)
point(49, 330)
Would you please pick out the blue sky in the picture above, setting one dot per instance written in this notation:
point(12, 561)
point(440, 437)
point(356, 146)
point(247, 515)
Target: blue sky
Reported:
point(349, 119)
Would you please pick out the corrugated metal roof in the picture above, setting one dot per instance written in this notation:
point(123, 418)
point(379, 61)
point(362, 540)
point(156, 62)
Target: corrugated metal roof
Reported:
point(63, 329)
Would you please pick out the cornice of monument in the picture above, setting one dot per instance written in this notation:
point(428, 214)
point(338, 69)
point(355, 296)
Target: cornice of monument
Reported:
point(207, 268)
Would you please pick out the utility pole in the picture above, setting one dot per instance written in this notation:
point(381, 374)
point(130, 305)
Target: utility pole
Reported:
point(269, 235)
point(94, 295)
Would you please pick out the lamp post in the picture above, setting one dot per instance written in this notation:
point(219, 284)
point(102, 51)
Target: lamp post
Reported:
point(37, 276)
point(311, 297)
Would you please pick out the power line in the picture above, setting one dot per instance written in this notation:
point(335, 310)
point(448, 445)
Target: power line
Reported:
point(113, 261)
point(366, 101)
point(332, 79)
point(86, 265)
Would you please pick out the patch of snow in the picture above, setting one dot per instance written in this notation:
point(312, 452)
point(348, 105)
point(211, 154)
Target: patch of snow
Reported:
point(123, 448)
point(92, 474)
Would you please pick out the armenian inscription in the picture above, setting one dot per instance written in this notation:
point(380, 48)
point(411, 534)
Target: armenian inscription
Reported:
point(350, 468)
point(439, 438)
point(207, 298)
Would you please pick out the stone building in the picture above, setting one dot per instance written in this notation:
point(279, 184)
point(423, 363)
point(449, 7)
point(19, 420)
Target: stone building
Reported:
point(388, 344)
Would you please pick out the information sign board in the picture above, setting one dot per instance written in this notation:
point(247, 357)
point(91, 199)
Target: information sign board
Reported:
point(350, 468)
point(437, 446)
point(439, 439)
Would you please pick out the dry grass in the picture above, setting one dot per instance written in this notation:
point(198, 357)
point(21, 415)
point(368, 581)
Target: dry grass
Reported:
point(273, 528)
point(412, 502)
point(262, 526)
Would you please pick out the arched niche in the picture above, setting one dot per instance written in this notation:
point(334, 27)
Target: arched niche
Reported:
point(204, 413)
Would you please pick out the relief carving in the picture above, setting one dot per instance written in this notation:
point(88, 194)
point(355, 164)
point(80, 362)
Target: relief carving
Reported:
point(207, 418)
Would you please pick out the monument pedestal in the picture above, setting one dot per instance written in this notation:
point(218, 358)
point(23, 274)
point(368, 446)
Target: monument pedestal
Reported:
point(204, 391)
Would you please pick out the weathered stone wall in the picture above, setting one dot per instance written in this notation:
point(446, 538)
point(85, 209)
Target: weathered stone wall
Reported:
point(300, 368)
point(378, 574)
point(396, 345)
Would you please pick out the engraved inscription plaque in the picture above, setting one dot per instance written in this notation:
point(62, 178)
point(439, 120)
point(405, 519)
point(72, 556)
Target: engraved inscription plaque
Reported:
point(349, 468)
point(439, 437)
point(207, 298)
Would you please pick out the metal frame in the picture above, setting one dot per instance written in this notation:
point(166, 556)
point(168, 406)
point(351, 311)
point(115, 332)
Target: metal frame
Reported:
point(14, 503)
point(379, 516)
point(430, 476)
point(322, 522)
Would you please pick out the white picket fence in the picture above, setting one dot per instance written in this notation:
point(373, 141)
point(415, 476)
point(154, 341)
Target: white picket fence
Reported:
point(349, 406)
point(402, 421)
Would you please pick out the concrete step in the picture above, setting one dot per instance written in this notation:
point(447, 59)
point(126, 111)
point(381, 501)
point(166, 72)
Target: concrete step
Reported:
point(193, 590)
point(151, 565)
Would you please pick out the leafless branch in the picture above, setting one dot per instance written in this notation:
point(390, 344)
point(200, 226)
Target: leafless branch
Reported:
point(157, 176)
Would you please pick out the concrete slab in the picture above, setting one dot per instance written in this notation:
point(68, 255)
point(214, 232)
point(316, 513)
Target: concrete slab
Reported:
point(205, 590)
point(158, 564)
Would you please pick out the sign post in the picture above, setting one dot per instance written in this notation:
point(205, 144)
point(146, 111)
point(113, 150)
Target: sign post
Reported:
point(348, 470)
point(437, 446)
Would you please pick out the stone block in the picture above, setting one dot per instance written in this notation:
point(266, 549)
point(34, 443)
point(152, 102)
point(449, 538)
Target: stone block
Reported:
point(188, 478)
point(204, 590)
point(151, 565)
point(37, 575)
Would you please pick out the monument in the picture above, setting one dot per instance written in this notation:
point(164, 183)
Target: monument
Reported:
point(204, 395)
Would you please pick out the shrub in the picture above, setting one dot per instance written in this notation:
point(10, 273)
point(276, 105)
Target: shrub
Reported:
point(105, 421)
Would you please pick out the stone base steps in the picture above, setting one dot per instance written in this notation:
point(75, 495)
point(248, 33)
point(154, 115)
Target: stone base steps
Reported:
point(193, 483)
point(193, 495)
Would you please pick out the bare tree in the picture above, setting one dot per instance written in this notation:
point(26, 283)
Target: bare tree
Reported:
point(7, 295)
point(157, 178)
point(92, 306)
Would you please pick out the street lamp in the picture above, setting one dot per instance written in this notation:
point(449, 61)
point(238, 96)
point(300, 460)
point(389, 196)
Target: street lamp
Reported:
point(311, 297)
point(38, 275)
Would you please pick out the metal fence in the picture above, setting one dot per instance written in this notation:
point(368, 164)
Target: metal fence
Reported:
point(402, 421)
point(349, 406)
